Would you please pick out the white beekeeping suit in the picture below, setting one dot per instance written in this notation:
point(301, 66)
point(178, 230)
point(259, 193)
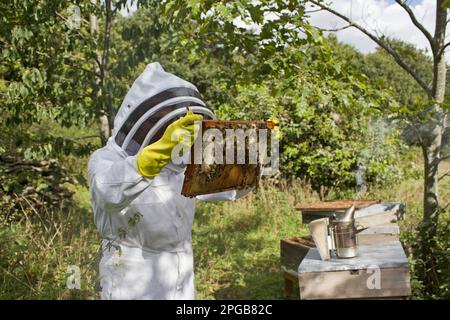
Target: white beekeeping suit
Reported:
point(145, 222)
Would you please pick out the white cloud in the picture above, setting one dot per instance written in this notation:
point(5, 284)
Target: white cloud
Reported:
point(381, 16)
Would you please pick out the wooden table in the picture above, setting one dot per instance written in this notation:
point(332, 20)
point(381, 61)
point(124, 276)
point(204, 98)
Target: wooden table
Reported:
point(379, 271)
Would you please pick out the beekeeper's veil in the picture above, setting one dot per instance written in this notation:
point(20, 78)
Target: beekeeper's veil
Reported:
point(155, 100)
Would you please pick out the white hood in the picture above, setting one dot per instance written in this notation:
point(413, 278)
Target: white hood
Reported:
point(154, 90)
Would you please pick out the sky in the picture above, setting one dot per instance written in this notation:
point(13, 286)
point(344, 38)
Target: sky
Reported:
point(381, 16)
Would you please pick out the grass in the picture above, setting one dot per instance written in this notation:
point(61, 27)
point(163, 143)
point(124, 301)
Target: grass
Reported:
point(236, 244)
point(38, 249)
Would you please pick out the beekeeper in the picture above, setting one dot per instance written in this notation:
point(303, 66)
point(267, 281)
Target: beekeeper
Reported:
point(135, 188)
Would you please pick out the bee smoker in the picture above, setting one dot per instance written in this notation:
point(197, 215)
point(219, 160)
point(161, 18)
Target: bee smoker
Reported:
point(343, 231)
point(336, 234)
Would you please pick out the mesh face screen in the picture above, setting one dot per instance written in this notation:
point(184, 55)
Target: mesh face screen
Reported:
point(150, 103)
point(139, 136)
point(160, 132)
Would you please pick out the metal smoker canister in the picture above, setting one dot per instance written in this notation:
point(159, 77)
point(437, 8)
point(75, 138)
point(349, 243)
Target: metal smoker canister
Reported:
point(344, 233)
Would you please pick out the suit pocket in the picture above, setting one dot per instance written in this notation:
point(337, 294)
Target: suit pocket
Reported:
point(156, 228)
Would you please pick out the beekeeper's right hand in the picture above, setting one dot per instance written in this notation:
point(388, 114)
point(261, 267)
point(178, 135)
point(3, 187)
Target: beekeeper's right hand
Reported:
point(156, 156)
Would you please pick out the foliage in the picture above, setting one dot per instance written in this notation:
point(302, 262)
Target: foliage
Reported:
point(381, 68)
point(329, 124)
point(290, 73)
point(385, 74)
point(47, 75)
point(430, 251)
point(247, 35)
point(44, 63)
point(37, 251)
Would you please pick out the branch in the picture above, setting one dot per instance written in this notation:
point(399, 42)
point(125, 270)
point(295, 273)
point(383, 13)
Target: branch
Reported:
point(335, 29)
point(444, 175)
point(113, 12)
point(85, 137)
point(107, 38)
point(312, 11)
point(444, 47)
point(95, 74)
point(442, 209)
point(444, 158)
point(17, 279)
point(97, 61)
point(419, 135)
point(417, 23)
point(382, 44)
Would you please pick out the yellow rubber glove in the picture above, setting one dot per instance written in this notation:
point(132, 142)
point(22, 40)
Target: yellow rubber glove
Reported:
point(156, 156)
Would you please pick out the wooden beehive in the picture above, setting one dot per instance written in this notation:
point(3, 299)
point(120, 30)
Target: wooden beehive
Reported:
point(204, 178)
point(292, 252)
point(355, 278)
point(379, 234)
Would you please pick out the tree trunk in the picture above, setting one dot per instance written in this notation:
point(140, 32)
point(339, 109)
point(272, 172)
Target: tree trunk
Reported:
point(105, 131)
point(431, 154)
point(431, 146)
point(432, 139)
point(103, 119)
point(430, 131)
point(428, 230)
point(107, 118)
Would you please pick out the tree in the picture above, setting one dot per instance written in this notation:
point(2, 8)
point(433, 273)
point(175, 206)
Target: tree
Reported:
point(45, 73)
point(275, 63)
point(103, 96)
point(385, 73)
point(56, 64)
point(432, 125)
point(382, 69)
point(327, 114)
point(140, 39)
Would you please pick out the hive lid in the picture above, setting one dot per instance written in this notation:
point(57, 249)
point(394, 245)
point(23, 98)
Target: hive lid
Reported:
point(331, 206)
point(384, 255)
